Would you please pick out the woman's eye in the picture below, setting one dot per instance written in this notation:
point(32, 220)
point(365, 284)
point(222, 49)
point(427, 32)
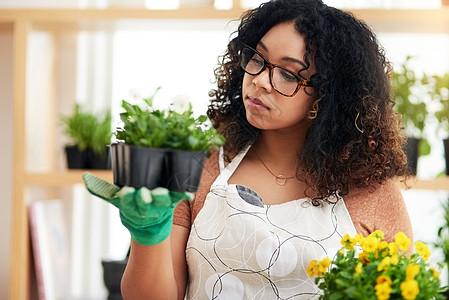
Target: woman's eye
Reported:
point(287, 76)
point(257, 61)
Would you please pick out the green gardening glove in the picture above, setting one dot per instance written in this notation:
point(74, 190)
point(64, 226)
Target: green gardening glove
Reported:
point(147, 214)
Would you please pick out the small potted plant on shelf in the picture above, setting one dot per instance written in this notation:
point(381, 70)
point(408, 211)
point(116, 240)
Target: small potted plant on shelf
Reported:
point(90, 135)
point(162, 147)
point(409, 103)
point(439, 91)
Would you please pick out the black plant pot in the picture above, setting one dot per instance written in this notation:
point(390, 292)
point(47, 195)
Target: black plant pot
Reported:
point(138, 166)
point(98, 162)
point(411, 150)
point(86, 159)
point(446, 155)
point(175, 170)
point(75, 158)
point(184, 170)
point(112, 276)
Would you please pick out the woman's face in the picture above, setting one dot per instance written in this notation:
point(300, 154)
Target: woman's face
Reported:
point(267, 109)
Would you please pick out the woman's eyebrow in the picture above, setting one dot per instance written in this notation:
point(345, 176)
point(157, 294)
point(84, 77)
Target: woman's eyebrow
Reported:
point(285, 58)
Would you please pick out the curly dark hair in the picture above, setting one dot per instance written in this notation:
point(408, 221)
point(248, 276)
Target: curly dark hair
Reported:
point(355, 139)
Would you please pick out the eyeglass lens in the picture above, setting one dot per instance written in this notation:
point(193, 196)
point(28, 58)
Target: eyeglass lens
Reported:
point(282, 80)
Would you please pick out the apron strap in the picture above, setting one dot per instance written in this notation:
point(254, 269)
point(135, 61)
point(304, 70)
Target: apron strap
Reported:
point(226, 172)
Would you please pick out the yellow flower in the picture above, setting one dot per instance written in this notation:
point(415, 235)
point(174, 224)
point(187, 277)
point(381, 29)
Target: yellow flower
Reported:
point(422, 250)
point(411, 271)
point(378, 234)
point(383, 287)
point(402, 241)
point(383, 291)
point(382, 245)
point(383, 278)
point(324, 265)
point(382, 249)
point(392, 248)
point(348, 242)
point(358, 238)
point(384, 264)
point(394, 259)
point(435, 273)
point(312, 269)
point(363, 257)
point(409, 289)
point(369, 244)
point(358, 268)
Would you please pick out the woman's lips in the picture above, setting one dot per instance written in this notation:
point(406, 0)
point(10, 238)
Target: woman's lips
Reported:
point(257, 103)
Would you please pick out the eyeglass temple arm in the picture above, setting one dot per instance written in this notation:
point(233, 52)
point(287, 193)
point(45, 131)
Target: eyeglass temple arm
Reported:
point(305, 82)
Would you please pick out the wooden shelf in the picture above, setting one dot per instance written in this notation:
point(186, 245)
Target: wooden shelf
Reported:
point(440, 184)
point(384, 20)
point(70, 177)
point(71, 15)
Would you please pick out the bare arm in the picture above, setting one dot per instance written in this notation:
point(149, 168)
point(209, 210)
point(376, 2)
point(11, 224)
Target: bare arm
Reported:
point(158, 271)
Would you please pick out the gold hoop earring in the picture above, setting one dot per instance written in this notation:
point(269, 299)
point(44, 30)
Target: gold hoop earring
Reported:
point(313, 113)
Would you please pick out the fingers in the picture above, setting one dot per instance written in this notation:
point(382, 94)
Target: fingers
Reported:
point(124, 191)
point(179, 196)
point(163, 197)
point(99, 187)
point(144, 203)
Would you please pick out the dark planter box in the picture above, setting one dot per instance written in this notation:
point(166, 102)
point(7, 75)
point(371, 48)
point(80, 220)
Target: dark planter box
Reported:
point(75, 158)
point(175, 170)
point(98, 162)
point(138, 166)
point(184, 170)
point(411, 150)
point(446, 156)
point(112, 277)
point(86, 159)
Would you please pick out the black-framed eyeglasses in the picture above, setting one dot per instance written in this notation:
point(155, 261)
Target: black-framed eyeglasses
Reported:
point(283, 81)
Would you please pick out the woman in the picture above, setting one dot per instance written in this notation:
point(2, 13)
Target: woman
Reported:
point(303, 98)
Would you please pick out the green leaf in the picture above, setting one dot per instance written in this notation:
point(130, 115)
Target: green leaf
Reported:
point(336, 296)
point(424, 147)
point(341, 283)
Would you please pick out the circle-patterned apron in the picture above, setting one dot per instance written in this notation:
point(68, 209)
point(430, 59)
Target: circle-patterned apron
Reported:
point(238, 249)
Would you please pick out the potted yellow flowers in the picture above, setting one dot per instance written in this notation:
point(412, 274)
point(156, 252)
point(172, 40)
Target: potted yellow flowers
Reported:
point(371, 268)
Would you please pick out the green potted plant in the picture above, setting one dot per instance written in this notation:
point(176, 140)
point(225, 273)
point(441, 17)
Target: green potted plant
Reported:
point(409, 103)
point(162, 147)
point(439, 91)
point(89, 134)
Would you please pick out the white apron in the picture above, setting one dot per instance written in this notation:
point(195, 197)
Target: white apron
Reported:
point(238, 250)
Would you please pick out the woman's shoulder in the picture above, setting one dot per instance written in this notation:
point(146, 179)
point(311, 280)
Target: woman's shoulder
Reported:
point(379, 207)
point(388, 190)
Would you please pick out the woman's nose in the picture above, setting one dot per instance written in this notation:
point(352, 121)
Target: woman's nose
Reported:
point(263, 80)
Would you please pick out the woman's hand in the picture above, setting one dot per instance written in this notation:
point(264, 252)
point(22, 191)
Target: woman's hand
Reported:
point(147, 214)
